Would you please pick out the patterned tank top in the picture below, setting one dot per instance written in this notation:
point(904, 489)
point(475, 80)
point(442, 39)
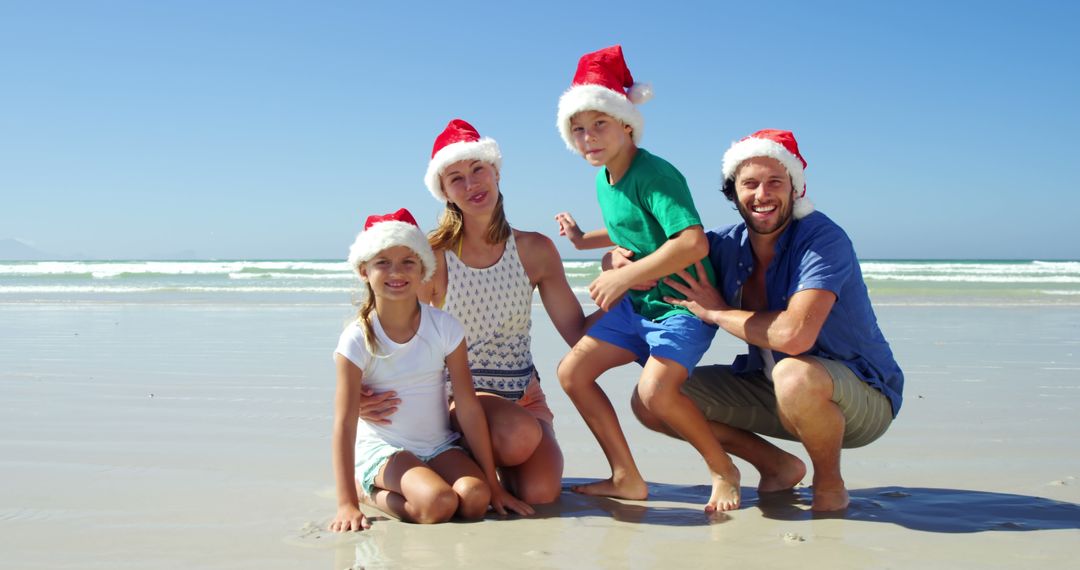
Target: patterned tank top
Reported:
point(495, 306)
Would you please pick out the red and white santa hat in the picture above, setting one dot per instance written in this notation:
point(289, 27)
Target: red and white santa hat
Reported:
point(458, 141)
point(603, 83)
point(389, 230)
point(780, 145)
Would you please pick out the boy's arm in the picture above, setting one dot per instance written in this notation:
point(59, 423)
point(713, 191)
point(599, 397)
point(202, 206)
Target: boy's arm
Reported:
point(582, 240)
point(678, 252)
point(473, 422)
point(346, 414)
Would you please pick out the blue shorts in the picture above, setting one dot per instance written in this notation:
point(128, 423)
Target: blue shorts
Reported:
point(681, 338)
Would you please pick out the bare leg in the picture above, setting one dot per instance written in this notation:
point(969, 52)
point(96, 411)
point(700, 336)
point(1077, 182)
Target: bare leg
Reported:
point(411, 491)
point(578, 373)
point(467, 480)
point(526, 451)
point(779, 469)
point(804, 391)
point(515, 433)
point(538, 480)
point(659, 391)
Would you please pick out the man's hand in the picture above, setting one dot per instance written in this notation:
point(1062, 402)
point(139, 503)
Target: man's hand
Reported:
point(377, 408)
point(568, 227)
point(701, 297)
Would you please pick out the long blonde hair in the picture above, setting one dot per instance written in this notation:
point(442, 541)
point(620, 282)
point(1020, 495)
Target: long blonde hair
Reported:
point(363, 316)
point(452, 226)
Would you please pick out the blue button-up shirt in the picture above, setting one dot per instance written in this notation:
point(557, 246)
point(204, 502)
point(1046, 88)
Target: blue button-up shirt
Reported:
point(813, 253)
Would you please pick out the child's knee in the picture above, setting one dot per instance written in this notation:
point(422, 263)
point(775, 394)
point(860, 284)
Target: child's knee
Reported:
point(436, 505)
point(474, 496)
point(656, 396)
point(567, 371)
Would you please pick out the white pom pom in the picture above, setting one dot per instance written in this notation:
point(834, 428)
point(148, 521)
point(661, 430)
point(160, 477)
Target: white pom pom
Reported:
point(802, 207)
point(640, 93)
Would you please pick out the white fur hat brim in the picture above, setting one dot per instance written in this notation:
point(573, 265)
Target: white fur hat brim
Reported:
point(590, 97)
point(389, 234)
point(485, 149)
point(746, 149)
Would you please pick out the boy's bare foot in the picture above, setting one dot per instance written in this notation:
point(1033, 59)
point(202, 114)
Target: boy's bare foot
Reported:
point(789, 474)
point(635, 490)
point(830, 499)
point(725, 491)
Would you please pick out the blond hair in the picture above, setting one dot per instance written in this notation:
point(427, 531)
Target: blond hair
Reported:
point(363, 316)
point(452, 226)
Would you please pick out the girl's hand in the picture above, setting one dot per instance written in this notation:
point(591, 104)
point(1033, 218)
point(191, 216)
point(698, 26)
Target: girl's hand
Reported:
point(502, 500)
point(349, 518)
point(377, 408)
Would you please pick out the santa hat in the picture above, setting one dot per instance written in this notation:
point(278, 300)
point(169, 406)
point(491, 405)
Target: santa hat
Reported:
point(603, 83)
point(458, 141)
point(781, 146)
point(381, 232)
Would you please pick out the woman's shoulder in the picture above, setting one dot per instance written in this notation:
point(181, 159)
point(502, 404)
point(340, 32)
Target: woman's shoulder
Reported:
point(445, 326)
point(440, 319)
point(533, 243)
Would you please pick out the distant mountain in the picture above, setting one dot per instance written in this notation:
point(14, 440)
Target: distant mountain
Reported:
point(15, 250)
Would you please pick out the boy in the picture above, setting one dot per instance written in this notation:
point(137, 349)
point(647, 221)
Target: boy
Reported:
point(647, 209)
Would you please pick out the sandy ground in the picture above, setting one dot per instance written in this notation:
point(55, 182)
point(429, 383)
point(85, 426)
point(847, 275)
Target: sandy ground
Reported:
point(179, 436)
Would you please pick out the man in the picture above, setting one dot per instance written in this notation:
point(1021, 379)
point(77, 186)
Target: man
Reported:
point(818, 370)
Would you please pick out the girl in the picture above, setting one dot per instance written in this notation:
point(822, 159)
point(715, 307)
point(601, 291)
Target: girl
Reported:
point(480, 256)
point(411, 469)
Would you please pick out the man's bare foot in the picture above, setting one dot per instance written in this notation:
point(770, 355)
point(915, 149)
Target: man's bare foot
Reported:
point(725, 491)
point(829, 499)
point(635, 490)
point(790, 473)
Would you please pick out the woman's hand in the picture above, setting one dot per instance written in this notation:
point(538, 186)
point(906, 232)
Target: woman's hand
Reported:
point(349, 518)
point(376, 408)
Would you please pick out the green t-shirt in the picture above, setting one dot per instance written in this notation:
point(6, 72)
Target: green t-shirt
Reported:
point(649, 205)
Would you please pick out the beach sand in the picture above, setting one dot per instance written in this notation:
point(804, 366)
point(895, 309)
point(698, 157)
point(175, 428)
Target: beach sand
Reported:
point(156, 435)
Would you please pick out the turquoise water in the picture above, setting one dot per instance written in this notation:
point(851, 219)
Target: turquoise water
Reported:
point(319, 281)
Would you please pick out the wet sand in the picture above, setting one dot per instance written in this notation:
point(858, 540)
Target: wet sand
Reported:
point(155, 435)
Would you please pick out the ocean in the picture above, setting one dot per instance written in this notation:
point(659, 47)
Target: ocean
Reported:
point(891, 282)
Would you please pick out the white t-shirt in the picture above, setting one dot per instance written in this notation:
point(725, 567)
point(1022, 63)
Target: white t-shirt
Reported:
point(414, 370)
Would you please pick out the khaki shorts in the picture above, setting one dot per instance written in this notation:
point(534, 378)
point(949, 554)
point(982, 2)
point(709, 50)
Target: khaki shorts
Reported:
point(748, 401)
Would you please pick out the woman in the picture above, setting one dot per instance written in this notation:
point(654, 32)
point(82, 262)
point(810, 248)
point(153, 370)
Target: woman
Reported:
point(485, 276)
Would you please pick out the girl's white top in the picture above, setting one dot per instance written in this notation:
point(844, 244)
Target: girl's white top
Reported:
point(495, 306)
point(415, 370)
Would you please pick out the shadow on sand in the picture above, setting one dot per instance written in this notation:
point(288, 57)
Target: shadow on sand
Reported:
point(916, 508)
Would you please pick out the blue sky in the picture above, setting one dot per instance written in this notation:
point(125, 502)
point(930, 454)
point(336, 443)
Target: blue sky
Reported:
point(270, 129)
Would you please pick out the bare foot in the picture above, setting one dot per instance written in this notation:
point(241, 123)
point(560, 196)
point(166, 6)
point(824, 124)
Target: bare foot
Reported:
point(725, 491)
point(790, 473)
point(635, 490)
point(829, 499)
